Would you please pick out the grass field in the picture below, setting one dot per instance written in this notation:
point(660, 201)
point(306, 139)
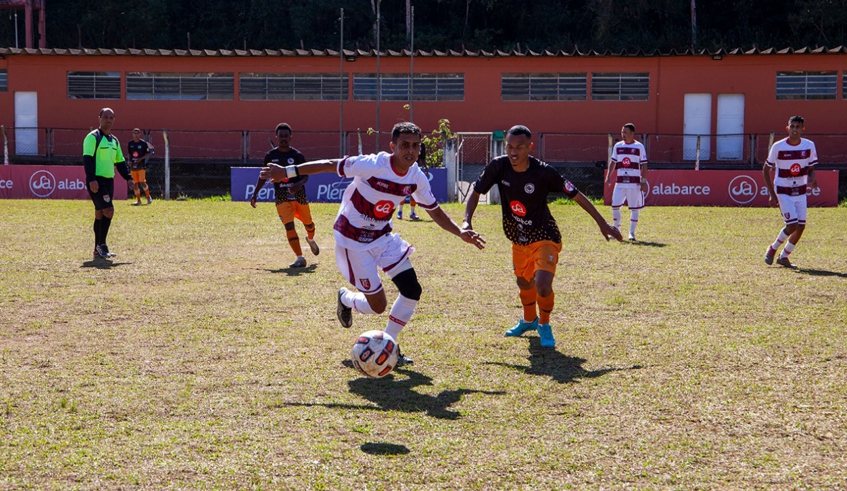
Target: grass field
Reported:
point(198, 360)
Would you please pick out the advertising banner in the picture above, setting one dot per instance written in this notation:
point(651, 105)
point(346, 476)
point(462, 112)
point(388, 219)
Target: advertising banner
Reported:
point(321, 188)
point(49, 182)
point(723, 188)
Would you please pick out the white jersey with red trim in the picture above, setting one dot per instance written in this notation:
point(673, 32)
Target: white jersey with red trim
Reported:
point(792, 163)
point(368, 203)
point(628, 158)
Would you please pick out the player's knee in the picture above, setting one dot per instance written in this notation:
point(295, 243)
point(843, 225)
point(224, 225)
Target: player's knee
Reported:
point(408, 284)
point(378, 303)
point(544, 290)
point(525, 284)
point(288, 225)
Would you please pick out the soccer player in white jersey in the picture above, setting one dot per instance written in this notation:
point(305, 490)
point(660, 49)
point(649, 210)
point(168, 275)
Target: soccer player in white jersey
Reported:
point(629, 158)
point(794, 160)
point(364, 240)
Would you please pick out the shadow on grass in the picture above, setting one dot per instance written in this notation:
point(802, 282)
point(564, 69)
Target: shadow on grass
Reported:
point(645, 244)
point(558, 366)
point(310, 269)
point(102, 264)
point(820, 272)
point(392, 394)
point(375, 448)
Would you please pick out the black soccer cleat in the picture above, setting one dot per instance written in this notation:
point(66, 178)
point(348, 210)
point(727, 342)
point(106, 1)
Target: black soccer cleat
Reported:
point(345, 313)
point(103, 250)
point(403, 360)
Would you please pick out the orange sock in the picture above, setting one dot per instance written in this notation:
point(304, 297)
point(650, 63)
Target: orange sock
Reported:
point(294, 242)
point(528, 301)
point(545, 306)
point(310, 230)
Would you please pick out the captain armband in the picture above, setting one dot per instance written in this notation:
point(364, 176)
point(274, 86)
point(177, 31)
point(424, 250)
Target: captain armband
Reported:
point(291, 172)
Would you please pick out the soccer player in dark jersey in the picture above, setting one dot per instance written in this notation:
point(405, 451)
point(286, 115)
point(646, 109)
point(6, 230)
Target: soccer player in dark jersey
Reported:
point(139, 153)
point(524, 183)
point(290, 195)
point(101, 154)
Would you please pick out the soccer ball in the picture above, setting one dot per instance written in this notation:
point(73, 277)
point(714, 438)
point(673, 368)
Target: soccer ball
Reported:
point(374, 354)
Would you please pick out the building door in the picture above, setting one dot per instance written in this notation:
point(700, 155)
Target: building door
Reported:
point(730, 132)
point(26, 123)
point(698, 123)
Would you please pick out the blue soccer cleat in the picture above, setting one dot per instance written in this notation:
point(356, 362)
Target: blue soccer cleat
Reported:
point(545, 332)
point(522, 327)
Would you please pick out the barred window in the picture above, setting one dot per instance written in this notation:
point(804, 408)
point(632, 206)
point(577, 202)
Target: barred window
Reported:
point(180, 86)
point(401, 87)
point(4, 80)
point(620, 86)
point(793, 86)
point(94, 85)
point(293, 87)
point(543, 87)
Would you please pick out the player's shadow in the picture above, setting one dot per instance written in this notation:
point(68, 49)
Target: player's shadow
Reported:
point(820, 272)
point(102, 264)
point(376, 448)
point(646, 243)
point(310, 269)
point(558, 366)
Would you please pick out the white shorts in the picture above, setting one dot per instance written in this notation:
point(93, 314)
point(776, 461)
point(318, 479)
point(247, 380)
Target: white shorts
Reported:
point(360, 268)
point(793, 208)
point(631, 195)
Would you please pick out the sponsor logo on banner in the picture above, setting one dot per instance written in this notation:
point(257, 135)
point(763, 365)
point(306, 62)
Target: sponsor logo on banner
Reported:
point(42, 183)
point(742, 189)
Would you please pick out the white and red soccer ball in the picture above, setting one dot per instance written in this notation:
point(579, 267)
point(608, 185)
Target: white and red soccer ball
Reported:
point(374, 354)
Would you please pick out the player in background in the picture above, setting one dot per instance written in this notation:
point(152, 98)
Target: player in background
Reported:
point(793, 158)
point(139, 153)
point(412, 202)
point(364, 241)
point(524, 183)
point(629, 158)
point(101, 153)
point(290, 195)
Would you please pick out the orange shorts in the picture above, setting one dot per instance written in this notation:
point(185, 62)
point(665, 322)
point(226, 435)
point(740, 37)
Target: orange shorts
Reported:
point(538, 256)
point(139, 175)
point(289, 210)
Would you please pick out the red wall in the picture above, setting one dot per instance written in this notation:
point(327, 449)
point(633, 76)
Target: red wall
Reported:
point(482, 110)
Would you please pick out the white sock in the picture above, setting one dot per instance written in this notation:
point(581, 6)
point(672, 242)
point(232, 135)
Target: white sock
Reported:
point(779, 240)
point(616, 217)
point(788, 249)
point(400, 314)
point(357, 301)
point(633, 221)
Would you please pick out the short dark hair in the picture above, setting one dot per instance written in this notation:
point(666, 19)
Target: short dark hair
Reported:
point(797, 119)
point(106, 109)
point(282, 126)
point(630, 126)
point(519, 129)
point(404, 129)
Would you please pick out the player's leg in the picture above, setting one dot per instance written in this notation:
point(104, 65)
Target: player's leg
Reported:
point(285, 210)
point(545, 256)
point(618, 199)
point(525, 278)
point(304, 214)
point(412, 205)
point(142, 181)
point(406, 280)
point(99, 206)
point(136, 186)
point(107, 192)
point(795, 232)
point(360, 269)
point(635, 202)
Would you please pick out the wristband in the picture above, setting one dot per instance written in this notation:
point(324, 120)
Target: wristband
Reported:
point(291, 172)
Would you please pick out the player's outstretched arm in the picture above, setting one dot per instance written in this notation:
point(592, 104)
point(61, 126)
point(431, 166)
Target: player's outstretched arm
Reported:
point(470, 208)
point(277, 173)
point(608, 231)
point(447, 223)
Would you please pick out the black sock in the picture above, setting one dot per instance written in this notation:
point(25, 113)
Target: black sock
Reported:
point(104, 228)
point(97, 232)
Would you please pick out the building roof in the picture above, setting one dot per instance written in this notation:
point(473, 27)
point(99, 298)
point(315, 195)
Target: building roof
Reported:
point(405, 53)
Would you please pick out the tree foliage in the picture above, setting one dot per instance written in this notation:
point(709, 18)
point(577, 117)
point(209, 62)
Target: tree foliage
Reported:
point(439, 24)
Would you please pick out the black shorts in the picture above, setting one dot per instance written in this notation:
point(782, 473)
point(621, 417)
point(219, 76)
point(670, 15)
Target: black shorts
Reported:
point(103, 197)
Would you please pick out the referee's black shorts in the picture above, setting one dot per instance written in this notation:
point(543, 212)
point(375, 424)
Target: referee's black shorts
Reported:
point(103, 197)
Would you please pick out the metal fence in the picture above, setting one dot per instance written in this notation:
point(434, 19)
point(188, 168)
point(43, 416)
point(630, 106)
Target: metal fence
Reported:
point(200, 161)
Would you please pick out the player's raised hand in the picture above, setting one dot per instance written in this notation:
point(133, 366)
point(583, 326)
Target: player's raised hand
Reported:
point(273, 172)
point(610, 232)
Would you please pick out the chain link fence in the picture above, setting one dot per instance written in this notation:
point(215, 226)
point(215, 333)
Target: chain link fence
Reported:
point(200, 161)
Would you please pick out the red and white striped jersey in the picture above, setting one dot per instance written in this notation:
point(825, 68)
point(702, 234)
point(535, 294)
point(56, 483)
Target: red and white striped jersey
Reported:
point(792, 164)
point(368, 203)
point(628, 158)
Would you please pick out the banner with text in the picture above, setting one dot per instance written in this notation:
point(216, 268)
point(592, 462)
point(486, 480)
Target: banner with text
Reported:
point(723, 188)
point(321, 188)
point(49, 182)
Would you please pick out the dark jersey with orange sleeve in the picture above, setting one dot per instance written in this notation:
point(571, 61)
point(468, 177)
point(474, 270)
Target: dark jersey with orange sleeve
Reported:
point(282, 190)
point(523, 196)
